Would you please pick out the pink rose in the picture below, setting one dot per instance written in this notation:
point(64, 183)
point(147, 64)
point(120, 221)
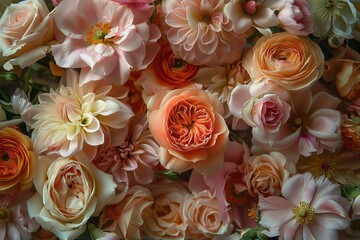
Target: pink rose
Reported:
point(189, 128)
point(295, 17)
point(25, 27)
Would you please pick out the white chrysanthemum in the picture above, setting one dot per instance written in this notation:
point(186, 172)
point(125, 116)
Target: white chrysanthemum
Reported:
point(201, 33)
point(333, 17)
point(73, 118)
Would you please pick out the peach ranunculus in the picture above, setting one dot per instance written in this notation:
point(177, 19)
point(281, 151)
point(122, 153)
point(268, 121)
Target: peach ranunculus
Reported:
point(17, 160)
point(201, 33)
point(166, 219)
point(166, 72)
point(25, 28)
point(189, 127)
point(106, 38)
point(202, 214)
point(126, 217)
point(291, 61)
point(69, 192)
point(266, 173)
point(76, 120)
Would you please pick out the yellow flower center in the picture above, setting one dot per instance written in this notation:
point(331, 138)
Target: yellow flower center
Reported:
point(5, 215)
point(303, 213)
point(298, 121)
point(319, 165)
point(97, 32)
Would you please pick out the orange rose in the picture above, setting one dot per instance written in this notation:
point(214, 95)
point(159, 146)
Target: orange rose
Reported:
point(17, 160)
point(291, 61)
point(189, 129)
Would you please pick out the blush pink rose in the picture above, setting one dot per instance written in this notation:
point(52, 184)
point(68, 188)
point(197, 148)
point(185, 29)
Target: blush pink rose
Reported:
point(294, 17)
point(189, 128)
point(25, 27)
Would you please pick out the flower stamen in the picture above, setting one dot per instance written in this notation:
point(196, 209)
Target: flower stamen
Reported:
point(303, 213)
point(96, 33)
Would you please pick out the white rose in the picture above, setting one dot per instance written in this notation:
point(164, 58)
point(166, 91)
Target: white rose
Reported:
point(69, 192)
point(24, 29)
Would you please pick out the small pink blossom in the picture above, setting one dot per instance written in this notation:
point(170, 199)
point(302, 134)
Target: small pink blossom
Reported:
point(295, 17)
point(309, 209)
point(105, 38)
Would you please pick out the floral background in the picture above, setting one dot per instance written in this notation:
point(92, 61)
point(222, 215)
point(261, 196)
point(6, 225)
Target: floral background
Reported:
point(180, 119)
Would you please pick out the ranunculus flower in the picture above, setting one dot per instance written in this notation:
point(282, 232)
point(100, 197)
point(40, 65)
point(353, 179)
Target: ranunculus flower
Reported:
point(126, 217)
point(189, 128)
point(15, 222)
point(69, 192)
point(76, 120)
point(202, 215)
point(350, 131)
point(166, 219)
point(291, 61)
point(166, 72)
point(309, 209)
point(265, 174)
point(105, 38)
point(25, 27)
point(201, 33)
point(17, 161)
point(294, 17)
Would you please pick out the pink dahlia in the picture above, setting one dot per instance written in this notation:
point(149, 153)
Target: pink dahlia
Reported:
point(131, 158)
point(309, 209)
point(105, 38)
point(201, 33)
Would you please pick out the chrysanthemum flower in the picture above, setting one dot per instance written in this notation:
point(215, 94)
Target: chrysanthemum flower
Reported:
point(309, 209)
point(201, 33)
point(73, 119)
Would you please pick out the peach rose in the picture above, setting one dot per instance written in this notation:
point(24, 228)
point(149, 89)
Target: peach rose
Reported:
point(25, 27)
point(126, 217)
point(166, 220)
point(291, 61)
point(267, 173)
point(17, 160)
point(69, 192)
point(190, 130)
point(202, 213)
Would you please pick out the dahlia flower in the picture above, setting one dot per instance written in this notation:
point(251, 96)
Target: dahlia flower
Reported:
point(201, 33)
point(105, 38)
point(133, 157)
point(315, 210)
point(75, 120)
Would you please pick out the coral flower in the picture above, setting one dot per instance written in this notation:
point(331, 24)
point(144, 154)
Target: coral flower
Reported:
point(309, 209)
point(189, 128)
point(73, 119)
point(17, 160)
point(201, 33)
point(106, 38)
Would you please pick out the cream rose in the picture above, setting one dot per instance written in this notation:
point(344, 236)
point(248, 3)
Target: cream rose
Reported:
point(291, 61)
point(267, 173)
point(202, 213)
point(190, 130)
point(69, 192)
point(126, 217)
point(166, 220)
point(25, 27)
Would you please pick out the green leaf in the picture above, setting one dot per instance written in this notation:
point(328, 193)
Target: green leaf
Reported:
point(350, 192)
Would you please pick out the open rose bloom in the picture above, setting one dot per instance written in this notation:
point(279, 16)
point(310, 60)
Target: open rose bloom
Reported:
point(180, 119)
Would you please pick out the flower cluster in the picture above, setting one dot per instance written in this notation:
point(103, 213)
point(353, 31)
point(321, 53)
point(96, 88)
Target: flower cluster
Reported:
point(179, 119)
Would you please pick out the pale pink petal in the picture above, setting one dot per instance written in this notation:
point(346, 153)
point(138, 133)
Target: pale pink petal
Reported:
point(321, 232)
point(67, 53)
point(265, 17)
point(275, 212)
point(239, 96)
point(305, 188)
point(332, 215)
point(292, 230)
point(324, 100)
